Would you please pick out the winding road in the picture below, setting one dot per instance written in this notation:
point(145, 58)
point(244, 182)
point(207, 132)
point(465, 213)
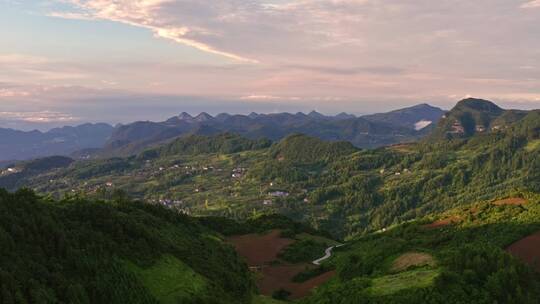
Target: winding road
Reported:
point(328, 254)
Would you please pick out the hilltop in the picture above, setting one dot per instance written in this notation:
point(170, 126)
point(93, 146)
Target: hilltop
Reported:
point(475, 116)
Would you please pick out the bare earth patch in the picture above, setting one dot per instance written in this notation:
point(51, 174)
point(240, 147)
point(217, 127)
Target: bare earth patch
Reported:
point(412, 259)
point(517, 201)
point(280, 276)
point(444, 222)
point(527, 250)
point(260, 249)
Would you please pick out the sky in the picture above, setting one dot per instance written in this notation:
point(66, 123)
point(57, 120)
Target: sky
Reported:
point(71, 61)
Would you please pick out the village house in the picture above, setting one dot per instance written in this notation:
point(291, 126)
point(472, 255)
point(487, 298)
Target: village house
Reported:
point(278, 194)
point(457, 128)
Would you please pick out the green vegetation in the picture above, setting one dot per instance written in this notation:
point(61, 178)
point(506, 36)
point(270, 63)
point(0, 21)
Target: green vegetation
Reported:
point(266, 300)
point(311, 273)
point(393, 283)
point(171, 281)
point(472, 266)
point(82, 251)
point(303, 251)
point(226, 143)
point(533, 145)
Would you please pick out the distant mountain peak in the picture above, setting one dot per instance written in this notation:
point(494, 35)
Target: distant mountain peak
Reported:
point(415, 117)
point(479, 105)
point(222, 116)
point(253, 115)
point(185, 116)
point(315, 114)
point(203, 116)
point(344, 115)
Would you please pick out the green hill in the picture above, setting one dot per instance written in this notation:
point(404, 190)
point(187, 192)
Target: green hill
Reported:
point(225, 143)
point(474, 116)
point(301, 149)
point(81, 251)
point(438, 260)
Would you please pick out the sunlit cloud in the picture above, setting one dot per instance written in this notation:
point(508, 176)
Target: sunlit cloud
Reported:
point(38, 117)
point(269, 98)
point(531, 4)
point(342, 55)
point(143, 14)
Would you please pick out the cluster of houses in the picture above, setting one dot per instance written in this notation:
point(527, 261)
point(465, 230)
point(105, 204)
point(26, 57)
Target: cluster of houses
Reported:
point(278, 194)
point(238, 172)
point(457, 128)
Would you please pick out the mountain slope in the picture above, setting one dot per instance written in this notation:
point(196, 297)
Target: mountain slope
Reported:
point(372, 131)
point(81, 251)
point(415, 117)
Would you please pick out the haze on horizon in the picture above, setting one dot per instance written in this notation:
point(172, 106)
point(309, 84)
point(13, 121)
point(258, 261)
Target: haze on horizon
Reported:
point(70, 61)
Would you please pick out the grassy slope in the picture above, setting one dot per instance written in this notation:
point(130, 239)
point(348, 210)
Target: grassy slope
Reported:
point(170, 281)
point(390, 284)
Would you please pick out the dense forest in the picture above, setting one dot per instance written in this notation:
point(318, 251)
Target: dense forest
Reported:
point(82, 251)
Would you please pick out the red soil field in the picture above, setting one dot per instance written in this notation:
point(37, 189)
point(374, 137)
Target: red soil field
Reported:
point(260, 249)
point(511, 201)
point(443, 222)
point(527, 250)
point(280, 276)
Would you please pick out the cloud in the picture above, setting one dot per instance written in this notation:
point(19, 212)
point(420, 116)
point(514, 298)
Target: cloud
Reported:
point(142, 13)
point(353, 53)
point(531, 4)
point(8, 93)
point(378, 70)
point(269, 98)
point(37, 117)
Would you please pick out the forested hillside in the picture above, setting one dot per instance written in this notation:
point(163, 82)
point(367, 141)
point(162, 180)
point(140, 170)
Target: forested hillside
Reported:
point(82, 251)
point(461, 256)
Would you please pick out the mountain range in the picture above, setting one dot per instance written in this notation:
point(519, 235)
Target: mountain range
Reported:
point(365, 132)
point(205, 172)
point(102, 140)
